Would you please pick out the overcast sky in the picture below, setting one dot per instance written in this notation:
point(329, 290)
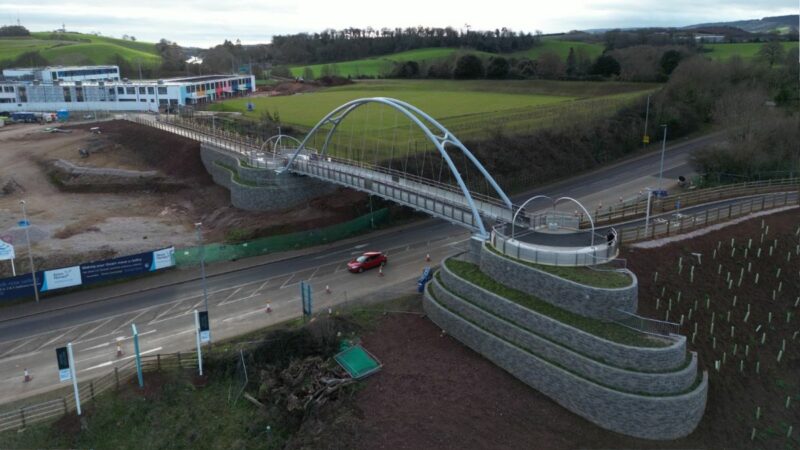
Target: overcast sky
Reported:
point(205, 22)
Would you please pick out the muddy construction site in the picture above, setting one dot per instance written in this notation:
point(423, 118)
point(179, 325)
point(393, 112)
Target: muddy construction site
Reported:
point(124, 188)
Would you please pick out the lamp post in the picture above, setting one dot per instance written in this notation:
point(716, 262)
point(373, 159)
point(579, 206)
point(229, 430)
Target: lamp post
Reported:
point(30, 252)
point(647, 214)
point(663, 149)
point(645, 138)
point(199, 228)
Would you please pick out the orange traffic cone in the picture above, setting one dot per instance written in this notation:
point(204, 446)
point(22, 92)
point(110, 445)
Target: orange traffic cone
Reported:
point(269, 308)
point(428, 257)
point(27, 376)
point(119, 350)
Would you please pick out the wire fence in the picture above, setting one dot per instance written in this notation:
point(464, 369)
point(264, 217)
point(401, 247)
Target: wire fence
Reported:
point(679, 223)
point(21, 417)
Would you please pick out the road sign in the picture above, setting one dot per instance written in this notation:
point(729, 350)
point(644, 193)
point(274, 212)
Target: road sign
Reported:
point(305, 294)
point(137, 354)
point(6, 251)
point(646, 139)
point(63, 364)
point(205, 332)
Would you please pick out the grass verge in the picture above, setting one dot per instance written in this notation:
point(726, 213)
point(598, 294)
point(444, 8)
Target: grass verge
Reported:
point(604, 278)
point(606, 330)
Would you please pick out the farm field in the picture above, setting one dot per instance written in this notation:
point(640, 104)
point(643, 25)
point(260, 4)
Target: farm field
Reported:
point(745, 50)
point(76, 48)
point(380, 66)
point(470, 109)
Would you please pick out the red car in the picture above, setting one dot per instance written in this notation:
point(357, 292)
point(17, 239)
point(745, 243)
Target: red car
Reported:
point(368, 260)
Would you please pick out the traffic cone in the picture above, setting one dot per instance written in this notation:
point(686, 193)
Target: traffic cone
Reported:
point(327, 289)
point(119, 350)
point(27, 376)
point(269, 308)
point(428, 257)
point(380, 271)
point(330, 311)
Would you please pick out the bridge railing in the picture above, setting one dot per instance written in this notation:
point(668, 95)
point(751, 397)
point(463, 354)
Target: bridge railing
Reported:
point(679, 223)
point(638, 208)
point(601, 253)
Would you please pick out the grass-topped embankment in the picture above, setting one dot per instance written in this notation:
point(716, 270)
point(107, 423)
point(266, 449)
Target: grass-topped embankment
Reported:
point(744, 50)
point(606, 330)
point(603, 276)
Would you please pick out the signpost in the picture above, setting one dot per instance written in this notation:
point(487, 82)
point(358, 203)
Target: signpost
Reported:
point(74, 378)
point(205, 331)
point(305, 294)
point(137, 355)
point(197, 336)
point(62, 357)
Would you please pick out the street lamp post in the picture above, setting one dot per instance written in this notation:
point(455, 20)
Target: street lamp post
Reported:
point(199, 227)
point(663, 148)
point(645, 139)
point(647, 214)
point(30, 252)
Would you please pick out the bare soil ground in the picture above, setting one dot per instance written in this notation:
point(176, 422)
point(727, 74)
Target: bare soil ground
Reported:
point(433, 392)
point(72, 227)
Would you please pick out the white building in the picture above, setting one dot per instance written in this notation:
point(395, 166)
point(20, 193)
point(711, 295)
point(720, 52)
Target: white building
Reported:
point(121, 95)
point(62, 73)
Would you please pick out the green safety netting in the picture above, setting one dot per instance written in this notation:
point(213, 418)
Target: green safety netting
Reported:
point(358, 362)
point(226, 252)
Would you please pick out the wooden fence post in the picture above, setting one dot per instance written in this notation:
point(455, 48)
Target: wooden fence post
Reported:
point(91, 388)
point(64, 402)
point(179, 360)
point(729, 211)
point(116, 376)
point(158, 362)
point(22, 416)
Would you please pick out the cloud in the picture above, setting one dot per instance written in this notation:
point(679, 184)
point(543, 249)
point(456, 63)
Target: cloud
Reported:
point(208, 22)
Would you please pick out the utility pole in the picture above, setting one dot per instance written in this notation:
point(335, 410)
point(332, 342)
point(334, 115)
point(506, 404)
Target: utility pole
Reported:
point(199, 227)
point(645, 137)
point(30, 252)
point(663, 149)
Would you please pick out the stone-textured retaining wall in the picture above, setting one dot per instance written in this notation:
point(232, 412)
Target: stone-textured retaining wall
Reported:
point(587, 367)
point(579, 298)
point(624, 356)
point(271, 191)
point(650, 417)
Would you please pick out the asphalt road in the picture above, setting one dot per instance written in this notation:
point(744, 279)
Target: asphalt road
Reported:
point(237, 300)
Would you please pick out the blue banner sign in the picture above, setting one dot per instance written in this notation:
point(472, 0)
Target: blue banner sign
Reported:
point(93, 272)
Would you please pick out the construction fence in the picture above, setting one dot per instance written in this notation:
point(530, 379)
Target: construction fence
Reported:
point(679, 223)
point(18, 418)
point(262, 246)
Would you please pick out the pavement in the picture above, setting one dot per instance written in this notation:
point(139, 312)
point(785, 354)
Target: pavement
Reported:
point(162, 306)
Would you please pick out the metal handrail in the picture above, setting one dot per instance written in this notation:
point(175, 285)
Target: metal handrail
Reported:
point(647, 325)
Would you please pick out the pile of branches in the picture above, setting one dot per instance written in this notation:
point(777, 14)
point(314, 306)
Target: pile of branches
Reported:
point(302, 385)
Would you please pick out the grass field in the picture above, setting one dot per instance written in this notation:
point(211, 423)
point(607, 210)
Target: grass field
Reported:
point(75, 48)
point(745, 50)
point(375, 67)
point(470, 109)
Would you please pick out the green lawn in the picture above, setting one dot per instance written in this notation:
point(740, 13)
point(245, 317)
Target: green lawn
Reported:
point(745, 50)
point(76, 48)
point(381, 66)
point(470, 109)
point(606, 330)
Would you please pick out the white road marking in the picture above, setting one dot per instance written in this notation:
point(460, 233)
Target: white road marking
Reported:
point(314, 273)
point(55, 339)
point(130, 321)
point(232, 294)
point(105, 364)
point(246, 314)
point(160, 315)
point(104, 344)
point(361, 246)
point(93, 329)
point(25, 341)
point(287, 280)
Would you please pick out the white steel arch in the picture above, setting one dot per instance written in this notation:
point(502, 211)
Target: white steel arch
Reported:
point(439, 139)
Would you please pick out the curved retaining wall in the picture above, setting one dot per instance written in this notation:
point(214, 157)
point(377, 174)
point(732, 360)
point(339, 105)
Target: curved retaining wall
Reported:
point(650, 417)
point(617, 378)
point(624, 356)
point(272, 191)
point(579, 298)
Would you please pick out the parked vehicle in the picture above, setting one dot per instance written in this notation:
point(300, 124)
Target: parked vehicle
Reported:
point(26, 117)
point(368, 260)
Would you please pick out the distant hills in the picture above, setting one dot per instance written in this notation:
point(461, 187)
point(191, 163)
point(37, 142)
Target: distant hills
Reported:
point(781, 24)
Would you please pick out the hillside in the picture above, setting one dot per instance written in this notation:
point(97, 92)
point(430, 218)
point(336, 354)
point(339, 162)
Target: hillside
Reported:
point(781, 24)
point(375, 67)
point(76, 48)
point(745, 50)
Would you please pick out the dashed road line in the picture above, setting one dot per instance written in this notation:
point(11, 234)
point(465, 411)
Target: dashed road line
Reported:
point(93, 329)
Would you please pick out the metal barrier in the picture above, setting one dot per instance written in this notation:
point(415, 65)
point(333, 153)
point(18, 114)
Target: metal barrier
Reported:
point(21, 417)
point(554, 256)
point(681, 223)
point(647, 325)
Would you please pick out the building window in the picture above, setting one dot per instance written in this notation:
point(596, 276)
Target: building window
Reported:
point(120, 90)
point(79, 94)
point(162, 90)
point(162, 101)
point(142, 91)
point(150, 90)
point(67, 95)
point(23, 95)
point(130, 91)
point(111, 91)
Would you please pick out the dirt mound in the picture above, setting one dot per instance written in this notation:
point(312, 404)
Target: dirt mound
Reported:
point(171, 154)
